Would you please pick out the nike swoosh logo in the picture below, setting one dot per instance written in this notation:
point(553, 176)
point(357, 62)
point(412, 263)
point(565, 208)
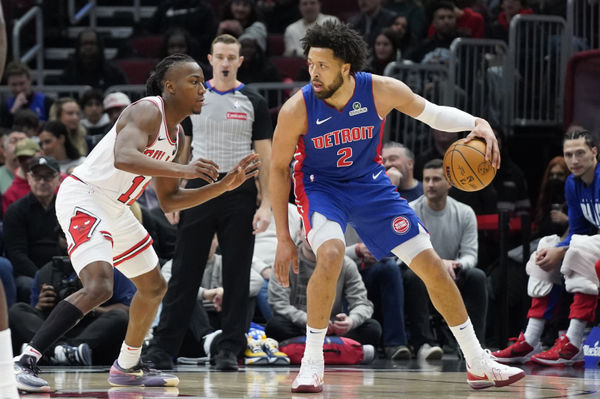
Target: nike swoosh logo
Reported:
point(323, 121)
point(375, 176)
point(161, 138)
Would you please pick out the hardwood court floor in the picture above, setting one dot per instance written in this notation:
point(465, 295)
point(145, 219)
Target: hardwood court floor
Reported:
point(381, 380)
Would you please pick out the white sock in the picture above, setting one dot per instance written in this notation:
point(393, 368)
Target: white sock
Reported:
point(8, 387)
point(575, 331)
point(31, 351)
point(129, 356)
point(313, 350)
point(534, 330)
point(469, 344)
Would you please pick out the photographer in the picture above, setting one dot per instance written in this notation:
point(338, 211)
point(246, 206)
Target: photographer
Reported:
point(99, 333)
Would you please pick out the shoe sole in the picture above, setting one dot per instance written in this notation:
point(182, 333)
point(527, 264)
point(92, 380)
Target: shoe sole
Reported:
point(279, 361)
point(27, 388)
point(436, 355)
point(307, 389)
point(482, 384)
point(251, 361)
point(559, 362)
point(172, 382)
point(512, 360)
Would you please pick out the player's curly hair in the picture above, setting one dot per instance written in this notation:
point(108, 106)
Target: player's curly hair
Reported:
point(346, 43)
point(154, 84)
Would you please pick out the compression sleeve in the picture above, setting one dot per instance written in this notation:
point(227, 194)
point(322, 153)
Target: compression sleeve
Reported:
point(448, 119)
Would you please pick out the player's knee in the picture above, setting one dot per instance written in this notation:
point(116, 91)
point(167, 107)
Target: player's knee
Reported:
point(331, 255)
point(101, 289)
point(155, 290)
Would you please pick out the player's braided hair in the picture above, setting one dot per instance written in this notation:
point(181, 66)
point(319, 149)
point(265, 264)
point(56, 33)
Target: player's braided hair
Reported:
point(345, 42)
point(154, 84)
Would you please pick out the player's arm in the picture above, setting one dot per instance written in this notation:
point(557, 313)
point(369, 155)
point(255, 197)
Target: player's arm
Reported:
point(394, 94)
point(172, 197)
point(262, 218)
point(291, 124)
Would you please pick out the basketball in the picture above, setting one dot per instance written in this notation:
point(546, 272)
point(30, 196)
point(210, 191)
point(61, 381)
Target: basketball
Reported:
point(465, 165)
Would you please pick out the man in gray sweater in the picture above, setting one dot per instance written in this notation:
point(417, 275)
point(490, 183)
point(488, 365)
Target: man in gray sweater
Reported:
point(289, 304)
point(453, 229)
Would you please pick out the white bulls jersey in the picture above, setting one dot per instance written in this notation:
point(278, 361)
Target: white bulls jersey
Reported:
point(99, 170)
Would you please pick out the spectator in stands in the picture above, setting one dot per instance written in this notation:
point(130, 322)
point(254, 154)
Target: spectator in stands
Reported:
point(195, 16)
point(550, 215)
point(30, 225)
point(399, 164)
point(67, 111)
point(89, 66)
point(289, 304)
point(385, 50)
point(8, 281)
point(176, 40)
point(56, 143)
point(371, 20)
point(571, 259)
point(7, 171)
point(510, 8)
point(453, 229)
point(25, 150)
point(95, 120)
point(469, 23)
point(256, 66)
point(279, 14)
point(26, 121)
point(311, 15)
point(406, 37)
point(97, 337)
point(241, 16)
point(414, 13)
point(18, 80)
point(443, 20)
point(114, 104)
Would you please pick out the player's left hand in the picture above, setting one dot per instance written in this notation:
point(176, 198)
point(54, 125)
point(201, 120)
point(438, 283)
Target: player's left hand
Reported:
point(343, 323)
point(262, 219)
point(245, 169)
point(484, 131)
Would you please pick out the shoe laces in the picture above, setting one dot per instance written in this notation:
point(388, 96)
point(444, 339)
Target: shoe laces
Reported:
point(558, 344)
point(29, 364)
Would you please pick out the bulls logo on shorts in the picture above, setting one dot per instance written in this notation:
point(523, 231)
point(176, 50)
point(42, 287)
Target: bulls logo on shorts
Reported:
point(401, 225)
point(81, 228)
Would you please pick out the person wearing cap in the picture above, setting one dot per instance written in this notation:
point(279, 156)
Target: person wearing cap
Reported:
point(30, 224)
point(25, 149)
point(114, 104)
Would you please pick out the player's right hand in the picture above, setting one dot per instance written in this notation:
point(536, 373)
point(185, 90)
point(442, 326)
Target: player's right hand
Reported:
point(204, 169)
point(286, 252)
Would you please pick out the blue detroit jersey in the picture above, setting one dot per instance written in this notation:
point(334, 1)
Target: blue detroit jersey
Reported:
point(583, 203)
point(344, 144)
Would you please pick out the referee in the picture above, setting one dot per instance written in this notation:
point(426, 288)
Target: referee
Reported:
point(234, 120)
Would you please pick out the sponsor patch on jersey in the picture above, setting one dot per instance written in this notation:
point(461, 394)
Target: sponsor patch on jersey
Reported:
point(237, 115)
point(357, 109)
point(401, 225)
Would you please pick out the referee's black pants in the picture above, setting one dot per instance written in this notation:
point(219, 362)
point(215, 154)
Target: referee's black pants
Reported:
point(230, 216)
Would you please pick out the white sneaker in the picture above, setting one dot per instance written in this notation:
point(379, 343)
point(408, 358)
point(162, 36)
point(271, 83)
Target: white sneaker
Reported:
point(428, 352)
point(310, 377)
point(486, 372)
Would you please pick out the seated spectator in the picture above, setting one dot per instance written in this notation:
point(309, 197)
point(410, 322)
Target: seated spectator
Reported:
point(18, 80)
point(97, 337)
point(550, 216)
point(114, 104)
point(56, 143)
point(453, 231)
point(289, 304)
point(568, 262)
point(26, 121)
point(414, 14)
point(406, 37)
point(25, 150)
point(279, 14)
point(95, 120)
point(499, 28)
point(399, 164)
point(30, 225)
point(469, 23)
point(256, 66)
point(311, 15)
point(371, 20)
point(385, 50)
point(7, 171)
point(241, 16)
point(88, 66)
point(67, 111)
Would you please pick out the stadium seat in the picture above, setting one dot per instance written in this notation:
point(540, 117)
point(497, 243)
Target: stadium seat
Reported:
point(289, 66)
point(147, 46)
point(582, 90)
point(137, 70)
point(275, 45)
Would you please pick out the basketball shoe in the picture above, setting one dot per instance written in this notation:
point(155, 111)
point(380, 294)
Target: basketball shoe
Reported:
point(271, 348)
point(140, 375)
point(563, 353)
point(73, 355)
point(486, 372)
point(254, 354)
point(26, 375)
point(310, 377)
point(518, 352)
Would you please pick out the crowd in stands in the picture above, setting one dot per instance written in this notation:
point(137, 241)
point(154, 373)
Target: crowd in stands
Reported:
point(380, 303)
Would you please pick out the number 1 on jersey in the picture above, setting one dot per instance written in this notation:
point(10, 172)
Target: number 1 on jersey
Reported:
point(345, 153)
point(126, 196)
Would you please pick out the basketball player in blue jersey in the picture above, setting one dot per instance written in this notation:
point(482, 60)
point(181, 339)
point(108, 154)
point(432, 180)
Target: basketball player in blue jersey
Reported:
point(333, 128)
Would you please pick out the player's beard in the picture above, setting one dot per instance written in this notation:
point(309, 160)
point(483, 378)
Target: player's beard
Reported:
point(330, 90)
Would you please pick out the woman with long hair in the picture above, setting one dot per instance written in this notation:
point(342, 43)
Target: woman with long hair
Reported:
point(67, 111)
point(550, 210)
point(56, 143)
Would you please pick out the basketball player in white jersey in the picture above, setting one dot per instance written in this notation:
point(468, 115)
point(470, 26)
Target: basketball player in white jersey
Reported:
point(102, 233)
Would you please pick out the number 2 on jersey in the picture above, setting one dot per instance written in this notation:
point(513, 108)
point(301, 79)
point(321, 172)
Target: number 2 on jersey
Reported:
point(345, 153)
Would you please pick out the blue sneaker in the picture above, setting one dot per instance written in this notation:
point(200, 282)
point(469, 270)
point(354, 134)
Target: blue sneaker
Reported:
point(26, 375)
point(140, 375)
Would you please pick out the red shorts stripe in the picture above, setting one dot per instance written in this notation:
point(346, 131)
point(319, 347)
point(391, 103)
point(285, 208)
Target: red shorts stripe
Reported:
point(137, 248)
